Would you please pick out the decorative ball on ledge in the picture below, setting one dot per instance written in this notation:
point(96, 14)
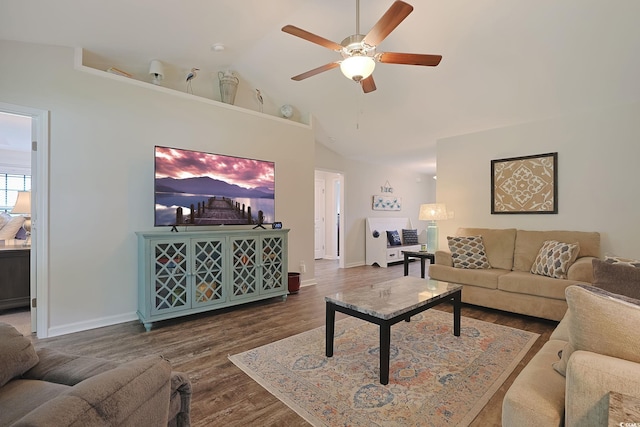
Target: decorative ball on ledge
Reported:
point(287, 111)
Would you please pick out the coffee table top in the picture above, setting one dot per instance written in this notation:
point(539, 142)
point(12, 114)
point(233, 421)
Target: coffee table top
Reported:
point(392, 298)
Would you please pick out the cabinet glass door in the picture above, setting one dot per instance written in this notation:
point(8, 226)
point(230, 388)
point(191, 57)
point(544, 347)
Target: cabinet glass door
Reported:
point(272, 264)
point(170, 279)
point(244, 267)
point(208, 272)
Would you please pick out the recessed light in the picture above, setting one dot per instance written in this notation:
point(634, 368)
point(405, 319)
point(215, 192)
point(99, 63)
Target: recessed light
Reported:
point(218, 47)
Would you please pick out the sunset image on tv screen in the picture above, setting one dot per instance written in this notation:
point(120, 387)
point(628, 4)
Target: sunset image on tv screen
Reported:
point(197, 188)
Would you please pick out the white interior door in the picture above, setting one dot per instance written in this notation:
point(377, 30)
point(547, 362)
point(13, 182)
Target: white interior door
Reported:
point(319, 219)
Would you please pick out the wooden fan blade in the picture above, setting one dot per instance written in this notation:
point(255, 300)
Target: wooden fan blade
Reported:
point(409, 58)
point(315, 71)
point(303, 34)
point(389, 21)
point(368, 85)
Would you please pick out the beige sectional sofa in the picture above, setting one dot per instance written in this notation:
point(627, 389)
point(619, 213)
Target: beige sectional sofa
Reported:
point(591, 353)
point(509, 285)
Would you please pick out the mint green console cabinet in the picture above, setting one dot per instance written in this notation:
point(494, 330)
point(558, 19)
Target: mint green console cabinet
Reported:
point(191, 272)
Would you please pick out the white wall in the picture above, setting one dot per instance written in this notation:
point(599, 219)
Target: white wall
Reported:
point(361, 182)
point(598, 175)
point(102, 134)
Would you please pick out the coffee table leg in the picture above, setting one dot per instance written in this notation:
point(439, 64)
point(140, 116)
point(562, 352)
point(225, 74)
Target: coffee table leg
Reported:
point(385, 345)
point(330, 326)
point(457, 303)
point(422, 260)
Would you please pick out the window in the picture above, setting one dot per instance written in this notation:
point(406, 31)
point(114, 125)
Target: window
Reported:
point(10, 184)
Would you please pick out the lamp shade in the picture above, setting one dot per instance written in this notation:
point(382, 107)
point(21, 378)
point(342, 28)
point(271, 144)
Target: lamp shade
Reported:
point(432, 212)
point(156, 70)
point(23, 203)
point(357, 67)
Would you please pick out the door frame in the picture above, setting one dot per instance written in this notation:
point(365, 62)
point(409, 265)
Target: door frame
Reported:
point(330, 222)
point(39, 213)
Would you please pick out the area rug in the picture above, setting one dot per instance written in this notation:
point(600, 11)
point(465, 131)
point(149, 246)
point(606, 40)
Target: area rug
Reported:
point(435, 378)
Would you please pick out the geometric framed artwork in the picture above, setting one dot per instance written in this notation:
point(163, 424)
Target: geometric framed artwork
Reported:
point(525, 185)
point(386, 203)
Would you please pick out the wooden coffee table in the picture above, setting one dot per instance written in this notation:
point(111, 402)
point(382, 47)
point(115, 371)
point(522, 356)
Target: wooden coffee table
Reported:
point(388, 303)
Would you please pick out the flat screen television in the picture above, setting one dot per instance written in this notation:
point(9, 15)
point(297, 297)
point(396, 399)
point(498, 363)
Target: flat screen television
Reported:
point(198, 188)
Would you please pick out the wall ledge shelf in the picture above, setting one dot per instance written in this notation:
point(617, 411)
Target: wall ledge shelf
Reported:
point(79, 65)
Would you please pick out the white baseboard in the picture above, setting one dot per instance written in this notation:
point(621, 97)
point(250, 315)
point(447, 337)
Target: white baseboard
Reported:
point(91, 324)
point(355, 264)
point(308, 282)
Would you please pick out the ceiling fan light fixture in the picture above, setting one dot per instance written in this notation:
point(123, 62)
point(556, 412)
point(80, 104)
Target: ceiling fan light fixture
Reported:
point(357, 67)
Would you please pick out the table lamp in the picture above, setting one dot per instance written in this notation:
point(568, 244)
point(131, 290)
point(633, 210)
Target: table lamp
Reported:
point(432, 212)
point(23, 206)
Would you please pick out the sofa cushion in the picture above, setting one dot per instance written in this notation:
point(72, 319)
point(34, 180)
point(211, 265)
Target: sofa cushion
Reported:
point(554, 259)
point(17, 354)
point(393, 238)
point(617, 278)
point(619, 260)
point(134, 393)
point(536, 397)
point(528, 243)
point(19, 397)
point(409, 237)
point(486, 278)
point(498, 244)
point(69, 369)
point(468, 252)
point(531, 284)
point(601, 322)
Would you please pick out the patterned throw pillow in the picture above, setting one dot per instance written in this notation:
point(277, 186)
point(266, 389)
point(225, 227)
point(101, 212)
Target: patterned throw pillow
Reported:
point(468, 252)
point(624, 261)
point(410, 237)
point(555, 258)
point(393, 238)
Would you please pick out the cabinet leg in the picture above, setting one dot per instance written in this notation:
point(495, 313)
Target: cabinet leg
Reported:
point(284, 297)
point(147, 326)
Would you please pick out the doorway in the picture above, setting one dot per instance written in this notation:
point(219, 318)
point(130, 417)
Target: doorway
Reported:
point(329, 221)
point(37, 144)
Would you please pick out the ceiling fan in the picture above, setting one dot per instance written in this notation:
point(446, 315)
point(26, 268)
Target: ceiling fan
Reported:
point(359, 51)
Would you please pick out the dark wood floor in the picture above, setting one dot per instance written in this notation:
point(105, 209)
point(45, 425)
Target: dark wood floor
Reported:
point(222, 393)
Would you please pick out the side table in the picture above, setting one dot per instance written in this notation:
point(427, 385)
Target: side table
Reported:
point(417, 254)
point(623, 410)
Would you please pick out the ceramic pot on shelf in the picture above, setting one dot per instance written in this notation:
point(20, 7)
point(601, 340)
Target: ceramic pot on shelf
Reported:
point(228, 86)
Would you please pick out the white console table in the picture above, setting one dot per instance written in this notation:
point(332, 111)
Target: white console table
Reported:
point(192, 272)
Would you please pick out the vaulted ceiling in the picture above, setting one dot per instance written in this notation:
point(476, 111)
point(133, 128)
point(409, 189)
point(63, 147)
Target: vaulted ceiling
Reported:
point(504, 61)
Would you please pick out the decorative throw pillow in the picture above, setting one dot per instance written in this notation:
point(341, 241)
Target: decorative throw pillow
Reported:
point(393, 238)
point(4, 218)
point(619, 260)
point(601, 322)
point(410, 237)
point(468, 252)
point(616, 278)
point(554, 259)
point(17, 354)
point(11, 228)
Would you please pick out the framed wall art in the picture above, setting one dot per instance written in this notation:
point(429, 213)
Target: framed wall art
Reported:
point(525, 185)
point(387, 203)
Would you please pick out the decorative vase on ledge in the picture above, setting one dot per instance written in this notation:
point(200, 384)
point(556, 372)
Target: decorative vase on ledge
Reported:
point(228, 86)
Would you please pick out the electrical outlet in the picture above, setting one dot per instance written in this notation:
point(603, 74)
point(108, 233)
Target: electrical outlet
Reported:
point(303, 267)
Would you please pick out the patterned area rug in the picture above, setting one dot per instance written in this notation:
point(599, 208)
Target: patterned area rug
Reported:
point(435, 378)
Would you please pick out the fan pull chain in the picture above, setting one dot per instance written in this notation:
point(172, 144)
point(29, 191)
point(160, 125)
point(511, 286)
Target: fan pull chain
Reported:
point(357, 16)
